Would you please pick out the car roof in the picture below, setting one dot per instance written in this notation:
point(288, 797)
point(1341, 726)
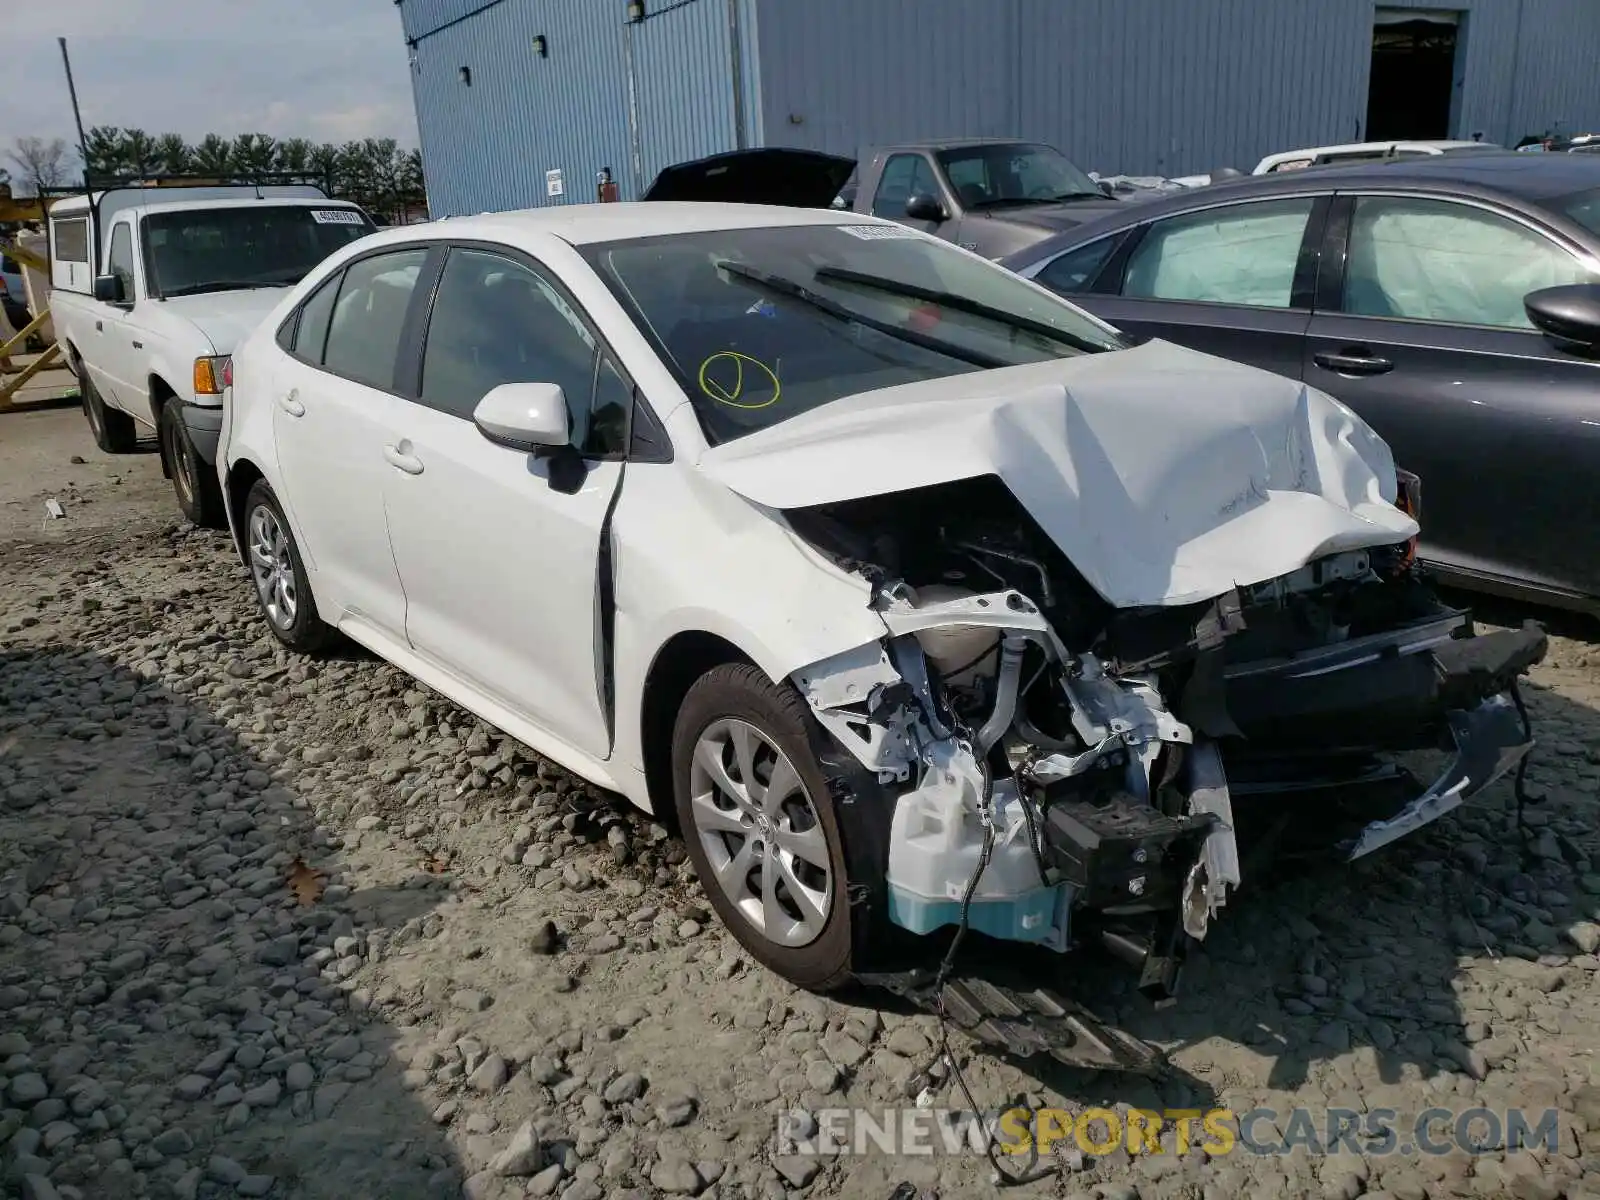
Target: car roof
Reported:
point(1493, 174)
point(581, 224)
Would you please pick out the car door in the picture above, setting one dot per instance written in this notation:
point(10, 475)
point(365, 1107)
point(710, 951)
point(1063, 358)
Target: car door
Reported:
point(334, 419)
point(1420, 328)
point(114, 358)
point(498, 549)
point(906, 175)
point(1234, 280)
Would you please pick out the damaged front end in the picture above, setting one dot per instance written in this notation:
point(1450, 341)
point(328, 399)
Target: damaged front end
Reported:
point(1066, 773)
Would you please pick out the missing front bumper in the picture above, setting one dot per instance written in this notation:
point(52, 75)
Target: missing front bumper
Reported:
point(1490, 740)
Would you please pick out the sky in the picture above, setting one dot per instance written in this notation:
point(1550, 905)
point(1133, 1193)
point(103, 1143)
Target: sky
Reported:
point(328, 70)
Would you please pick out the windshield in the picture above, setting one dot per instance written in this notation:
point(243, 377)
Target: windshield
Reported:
point(762, 324)
point(985, 176)
point(1584, 208)
point(259, 245)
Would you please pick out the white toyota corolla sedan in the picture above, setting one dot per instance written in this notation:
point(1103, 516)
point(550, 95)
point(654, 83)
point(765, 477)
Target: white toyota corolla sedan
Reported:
point(916, 596)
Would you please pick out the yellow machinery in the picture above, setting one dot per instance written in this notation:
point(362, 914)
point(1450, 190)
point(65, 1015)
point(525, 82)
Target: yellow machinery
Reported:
point(11, 384)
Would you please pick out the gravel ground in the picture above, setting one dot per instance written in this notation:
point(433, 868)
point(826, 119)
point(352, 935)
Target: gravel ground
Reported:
point(276, 927)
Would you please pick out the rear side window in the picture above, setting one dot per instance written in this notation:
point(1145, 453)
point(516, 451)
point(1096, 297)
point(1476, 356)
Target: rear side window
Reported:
point(72, 240)
point(364, 333)
point(1245, 254)
point(1076, 269)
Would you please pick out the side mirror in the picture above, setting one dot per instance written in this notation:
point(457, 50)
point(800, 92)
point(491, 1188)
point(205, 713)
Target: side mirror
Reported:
point(1107, 189)
point(524, 416)
point(108, 289)
point(1569, 315)
point(923, 207)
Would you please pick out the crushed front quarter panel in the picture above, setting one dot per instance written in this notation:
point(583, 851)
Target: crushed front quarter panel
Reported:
point(1165, 476)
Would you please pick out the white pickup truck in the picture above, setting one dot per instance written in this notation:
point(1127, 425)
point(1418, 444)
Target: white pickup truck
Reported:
point(151, 290)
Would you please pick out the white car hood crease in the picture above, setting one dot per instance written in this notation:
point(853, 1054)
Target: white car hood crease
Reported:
point(1164, 475)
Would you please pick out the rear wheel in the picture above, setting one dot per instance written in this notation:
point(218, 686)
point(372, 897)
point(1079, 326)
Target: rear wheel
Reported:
point(194, 482)
point(754, 807)
point(114, 431)
point(282, 591)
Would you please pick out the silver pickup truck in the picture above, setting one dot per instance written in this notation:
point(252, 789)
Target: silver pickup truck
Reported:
point(993, 196)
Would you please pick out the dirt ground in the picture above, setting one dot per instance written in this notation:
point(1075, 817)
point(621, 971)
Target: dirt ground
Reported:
point(291, 928)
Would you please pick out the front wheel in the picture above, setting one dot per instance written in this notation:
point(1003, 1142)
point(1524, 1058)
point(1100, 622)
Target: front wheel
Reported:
point(114, 431)
point(194, 482)
point(279, 575)
point(754, 808)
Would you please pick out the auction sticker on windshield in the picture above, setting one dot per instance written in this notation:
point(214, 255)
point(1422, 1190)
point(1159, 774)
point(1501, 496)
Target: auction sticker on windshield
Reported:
point(878, 233)
point(336, 216)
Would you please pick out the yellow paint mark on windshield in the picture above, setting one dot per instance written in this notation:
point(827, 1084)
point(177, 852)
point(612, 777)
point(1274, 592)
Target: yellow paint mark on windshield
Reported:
point(722, 377)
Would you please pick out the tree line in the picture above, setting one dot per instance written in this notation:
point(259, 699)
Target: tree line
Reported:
point(374, 172)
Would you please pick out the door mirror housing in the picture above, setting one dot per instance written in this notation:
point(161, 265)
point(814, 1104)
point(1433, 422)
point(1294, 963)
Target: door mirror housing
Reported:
point(1569, 315)
point(923, 207)
point(108, 289)
point(531, 417)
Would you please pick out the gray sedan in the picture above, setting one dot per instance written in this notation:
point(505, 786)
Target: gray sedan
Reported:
point(1453, 302)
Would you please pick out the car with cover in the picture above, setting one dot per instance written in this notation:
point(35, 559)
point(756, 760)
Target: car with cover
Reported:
point(920, 599)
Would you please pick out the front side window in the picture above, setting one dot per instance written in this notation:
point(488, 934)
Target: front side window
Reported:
point(762, 324)
point(364, 333)
point(992, 175)
point(227, 248)
point(1245, 254)
point(904, 176)
point(497, 321)
point(119, 261)
point(1436, 260)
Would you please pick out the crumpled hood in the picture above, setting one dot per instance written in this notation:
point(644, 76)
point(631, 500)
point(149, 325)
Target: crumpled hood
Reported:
point(227, 318)
point(1166, 476)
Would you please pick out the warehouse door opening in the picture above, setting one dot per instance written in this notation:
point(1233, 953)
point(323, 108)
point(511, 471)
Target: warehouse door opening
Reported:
point(1411, 92)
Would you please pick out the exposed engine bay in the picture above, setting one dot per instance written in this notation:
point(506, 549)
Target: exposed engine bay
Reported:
point(1067, 772)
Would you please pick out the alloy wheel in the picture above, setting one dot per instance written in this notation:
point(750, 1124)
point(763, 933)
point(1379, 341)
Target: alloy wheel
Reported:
point(758, 826)
point(272, 567)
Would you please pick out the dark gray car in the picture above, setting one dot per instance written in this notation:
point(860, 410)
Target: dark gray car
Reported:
point(1401, 289)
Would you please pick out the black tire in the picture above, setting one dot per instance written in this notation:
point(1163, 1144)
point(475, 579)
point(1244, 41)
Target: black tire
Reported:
point(114, 431)
point(742, 692)
point(303, 630)
point(194, 481)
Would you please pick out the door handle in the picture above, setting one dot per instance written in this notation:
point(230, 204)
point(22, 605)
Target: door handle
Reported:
point(1353, 363)
point(403, 459)
point(99, 327)
point(290, 403)
point(138, 345)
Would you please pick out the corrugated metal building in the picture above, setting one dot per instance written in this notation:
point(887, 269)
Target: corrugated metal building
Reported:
point(510, 91)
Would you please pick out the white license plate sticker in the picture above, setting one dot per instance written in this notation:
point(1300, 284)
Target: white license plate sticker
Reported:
point(336, 216)
point(878, 233)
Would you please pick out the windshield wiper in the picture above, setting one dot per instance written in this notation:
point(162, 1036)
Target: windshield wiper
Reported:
point(796, 291)
point(215, 285)
point(974, 308)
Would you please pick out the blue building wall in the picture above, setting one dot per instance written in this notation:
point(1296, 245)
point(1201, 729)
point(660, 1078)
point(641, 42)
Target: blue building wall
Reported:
point(631, 97)
point(1141, 86)
point(1150, 86)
